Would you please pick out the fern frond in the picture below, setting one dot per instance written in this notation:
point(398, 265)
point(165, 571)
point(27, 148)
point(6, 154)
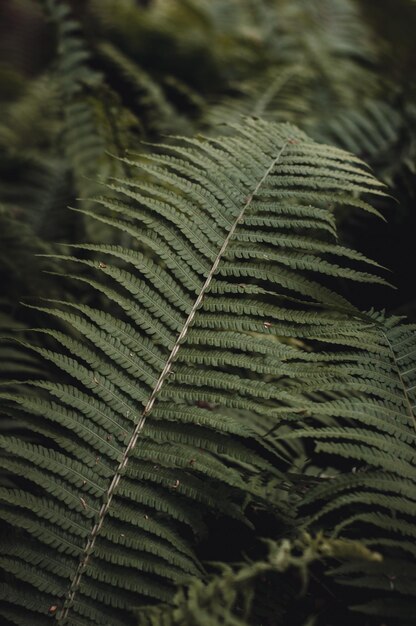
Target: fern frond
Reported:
point(114, 453)
point(241, 596)
point(93, 117)
point(366, 442)
point(379, 132)
point(319, 60)
point(151, 103)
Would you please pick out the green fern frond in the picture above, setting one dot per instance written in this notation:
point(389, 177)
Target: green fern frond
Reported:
point(115, 464)
point(319, 59)
point(365, 445)
point(239, 596)
point(94, 119)
point(379, 132)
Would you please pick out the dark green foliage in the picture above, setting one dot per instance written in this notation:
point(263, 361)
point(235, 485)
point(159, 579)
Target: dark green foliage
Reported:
point(190, 368)
point(369, 435)
point(235, 597)
point(176, 299)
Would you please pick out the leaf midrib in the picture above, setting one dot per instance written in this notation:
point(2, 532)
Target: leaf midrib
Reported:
point(89, 547)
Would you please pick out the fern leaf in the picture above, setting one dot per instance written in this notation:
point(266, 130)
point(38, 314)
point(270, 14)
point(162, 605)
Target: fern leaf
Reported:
point(366, 443)
point(114, 453)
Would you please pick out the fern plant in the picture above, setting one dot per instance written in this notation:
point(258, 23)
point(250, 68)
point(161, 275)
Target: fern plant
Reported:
point(233, 243)
point(195, 377)
point(320, 58)
point(364, 445)
point(90, 125)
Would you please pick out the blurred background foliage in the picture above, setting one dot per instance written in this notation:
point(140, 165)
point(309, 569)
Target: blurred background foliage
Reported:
point(83, 81)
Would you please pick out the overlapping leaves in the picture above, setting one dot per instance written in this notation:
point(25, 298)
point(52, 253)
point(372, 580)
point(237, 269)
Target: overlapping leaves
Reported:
point(144, 431)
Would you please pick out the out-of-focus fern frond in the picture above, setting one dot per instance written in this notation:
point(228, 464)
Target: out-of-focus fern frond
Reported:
point(258, 592)
point(211, 42)
point(93, 116)
point(381, 132)
point(277, 95)
point(152, 107)
point(34, 182)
